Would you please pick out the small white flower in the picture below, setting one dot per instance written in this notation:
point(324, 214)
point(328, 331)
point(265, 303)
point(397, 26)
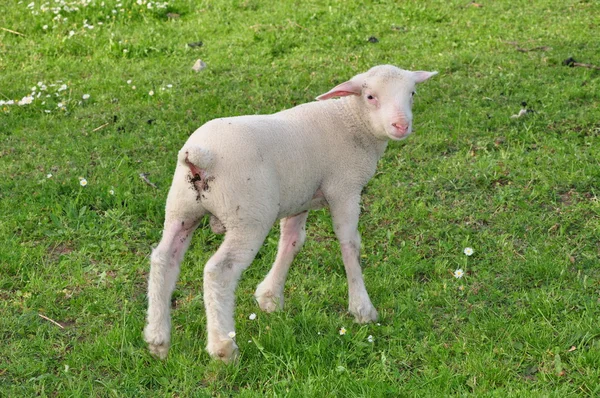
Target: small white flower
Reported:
point(169, 85)
point(26, 100)
point(231, 335)
point(133, 87)
point(45, 27)
point(82, 182)
point(459, 273)
point(151, 92)
point(49, 175)
point(370, 339)
point(468, 251)
point(66, 368)
point(33, 88)
point(60, 105)
point(125, 51)
point(342, 331)
point(71, 33)
point(47, 111)
point(252, 316)
point(86, 96)
point(112, 192)
point(62, 88)
point(128, 81)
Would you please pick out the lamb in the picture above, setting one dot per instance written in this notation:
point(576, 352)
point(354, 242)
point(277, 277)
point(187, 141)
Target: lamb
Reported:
point(246, 172)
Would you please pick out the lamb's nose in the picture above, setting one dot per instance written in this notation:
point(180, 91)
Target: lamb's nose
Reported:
point(401, 127)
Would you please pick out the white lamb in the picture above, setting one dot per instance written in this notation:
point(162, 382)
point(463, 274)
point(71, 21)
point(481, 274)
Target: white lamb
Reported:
point(247, 172)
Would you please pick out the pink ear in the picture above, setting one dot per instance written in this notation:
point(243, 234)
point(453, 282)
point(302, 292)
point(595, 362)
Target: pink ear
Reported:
point(341, 90)
point(421, 76)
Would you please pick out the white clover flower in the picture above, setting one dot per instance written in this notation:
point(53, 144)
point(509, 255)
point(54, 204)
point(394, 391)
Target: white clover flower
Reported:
point(133, 87)
point(128, 81)
point(71, 33)
point(342, 331)
point(151, 92)
point(86, 96)
point(459, 273)
point(468, 251)
point(60, 105)
point(231, 335)
point(62, 88)
point(370, 339)
point(26, 100)
point(112, 192)
point(125, 51)
point(82, 182)
point(45, 27)
point(49, 175)
point(252, 316)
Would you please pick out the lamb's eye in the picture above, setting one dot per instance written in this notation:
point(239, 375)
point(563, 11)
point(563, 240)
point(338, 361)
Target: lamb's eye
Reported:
point(413, 93)
point(370, 97)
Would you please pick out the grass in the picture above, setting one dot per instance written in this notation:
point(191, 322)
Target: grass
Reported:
point(522, 192)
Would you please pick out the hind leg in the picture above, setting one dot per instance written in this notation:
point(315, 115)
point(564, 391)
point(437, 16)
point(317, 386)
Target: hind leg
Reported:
point(182, 217)
point(221, 275)
point(269, 293)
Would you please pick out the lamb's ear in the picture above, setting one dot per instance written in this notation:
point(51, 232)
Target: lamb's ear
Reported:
point(341, 90)
point(420, 76)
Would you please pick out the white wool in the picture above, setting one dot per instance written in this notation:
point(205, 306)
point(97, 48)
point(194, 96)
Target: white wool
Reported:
point(249, 171)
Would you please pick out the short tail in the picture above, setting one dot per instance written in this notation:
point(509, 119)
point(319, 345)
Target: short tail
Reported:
point(196, 158)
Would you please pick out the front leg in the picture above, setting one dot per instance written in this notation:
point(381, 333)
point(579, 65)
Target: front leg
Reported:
point(345, 222)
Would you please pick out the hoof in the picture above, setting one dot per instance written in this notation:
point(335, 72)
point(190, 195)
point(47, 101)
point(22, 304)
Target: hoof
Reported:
point(158, 342)
point(224, 350)
point(364, 313)
point(267, 300)
point(159, 351)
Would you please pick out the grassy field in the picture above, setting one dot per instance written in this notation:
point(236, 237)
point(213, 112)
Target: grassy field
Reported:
point(522, 192)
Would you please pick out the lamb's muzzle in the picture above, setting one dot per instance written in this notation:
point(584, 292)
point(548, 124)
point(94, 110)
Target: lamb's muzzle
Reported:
point(247, 172)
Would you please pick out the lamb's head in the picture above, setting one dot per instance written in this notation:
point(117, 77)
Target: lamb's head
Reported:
point(385, 94)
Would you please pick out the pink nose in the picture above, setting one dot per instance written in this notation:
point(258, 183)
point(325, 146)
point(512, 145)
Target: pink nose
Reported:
point(401, 128)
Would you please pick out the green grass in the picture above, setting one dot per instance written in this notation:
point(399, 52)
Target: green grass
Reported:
point(522, 192)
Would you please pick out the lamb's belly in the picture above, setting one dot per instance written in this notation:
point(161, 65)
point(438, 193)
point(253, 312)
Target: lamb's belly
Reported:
point(316, 202)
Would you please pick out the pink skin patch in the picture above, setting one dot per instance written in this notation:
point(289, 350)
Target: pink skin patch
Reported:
point(195, 170)
point(200, 180)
